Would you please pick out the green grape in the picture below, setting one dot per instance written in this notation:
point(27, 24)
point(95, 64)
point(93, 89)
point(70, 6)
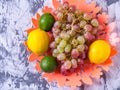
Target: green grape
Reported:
point(68, 48)
point(82, 23)
point(72, 33)
point(61, 56)
point(57, 39)
point(60, 15)
point(63, 43)
point(81, 40)
point(67, 64)
point(88, 27)
point(65, 36)
point(86, 16)
point(94, 22)
point(55, 52)
point(78, 13)
point(60, 49)
point(81, 48)
point(75, 42)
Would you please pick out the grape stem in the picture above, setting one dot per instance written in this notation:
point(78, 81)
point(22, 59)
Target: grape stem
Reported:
point(73, 22)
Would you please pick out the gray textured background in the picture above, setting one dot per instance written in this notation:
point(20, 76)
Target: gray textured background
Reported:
point(16, 73)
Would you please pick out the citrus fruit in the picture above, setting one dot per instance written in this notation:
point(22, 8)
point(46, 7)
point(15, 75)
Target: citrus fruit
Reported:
point(38, 41)
point(46, 21)
point(48, 64)
point(99, 51)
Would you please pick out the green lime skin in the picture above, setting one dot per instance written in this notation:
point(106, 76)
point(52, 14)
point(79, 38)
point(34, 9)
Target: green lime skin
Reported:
point(46, 22)
point(48, 64)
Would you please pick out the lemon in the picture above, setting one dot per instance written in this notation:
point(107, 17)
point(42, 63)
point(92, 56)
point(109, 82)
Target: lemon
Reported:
point(99, 51)
point(48, 64)
point(46, 21)
point(38, 41)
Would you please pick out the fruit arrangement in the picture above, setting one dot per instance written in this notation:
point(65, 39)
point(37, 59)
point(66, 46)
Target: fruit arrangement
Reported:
point(69, 40)
point(73, 33)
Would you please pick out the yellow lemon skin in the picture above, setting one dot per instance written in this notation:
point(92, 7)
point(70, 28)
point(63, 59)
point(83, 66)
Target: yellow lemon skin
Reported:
point(38, 41)
point(99, 51)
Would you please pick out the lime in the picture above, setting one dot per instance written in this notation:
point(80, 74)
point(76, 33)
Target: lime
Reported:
point(38, 41)
point(99, 51)
point(48, 64)
point(46, 21)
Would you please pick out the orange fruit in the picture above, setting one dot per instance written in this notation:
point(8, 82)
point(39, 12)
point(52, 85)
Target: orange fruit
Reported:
point(99, 51)
point(38, 41)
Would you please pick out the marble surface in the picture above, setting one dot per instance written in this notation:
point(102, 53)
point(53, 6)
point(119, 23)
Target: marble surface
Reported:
point(16, 73)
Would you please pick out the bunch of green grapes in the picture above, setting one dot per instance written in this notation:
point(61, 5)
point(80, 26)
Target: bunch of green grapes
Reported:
point(73, 32)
